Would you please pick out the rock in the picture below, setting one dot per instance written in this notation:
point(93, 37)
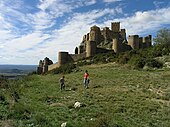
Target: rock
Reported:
point(64, 124)
point(77, 105)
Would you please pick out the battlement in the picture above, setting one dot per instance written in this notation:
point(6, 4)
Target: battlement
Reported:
point(115, 26)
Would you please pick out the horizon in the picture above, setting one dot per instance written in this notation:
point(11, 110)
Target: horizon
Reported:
point(35, 29)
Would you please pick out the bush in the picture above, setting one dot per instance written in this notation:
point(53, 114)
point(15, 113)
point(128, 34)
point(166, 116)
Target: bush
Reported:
point(123, 58)
point(67, 68)
point(153, 63)
point(137, 61)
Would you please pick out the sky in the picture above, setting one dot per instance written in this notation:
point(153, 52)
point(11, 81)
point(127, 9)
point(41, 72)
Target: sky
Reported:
point(31, 30)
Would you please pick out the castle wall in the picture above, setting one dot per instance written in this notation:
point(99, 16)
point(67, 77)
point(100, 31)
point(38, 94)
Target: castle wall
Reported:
point(76, 57)
point(102, 50)
point(53, 66)
point(133, 41)
point(90, 48)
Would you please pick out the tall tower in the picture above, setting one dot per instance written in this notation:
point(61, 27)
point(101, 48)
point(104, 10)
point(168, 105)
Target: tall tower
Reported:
point(90, 48)
point(95, 34)
point(115, 26)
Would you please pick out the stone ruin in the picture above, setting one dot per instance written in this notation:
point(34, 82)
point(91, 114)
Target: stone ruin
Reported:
point(98, 41)
point(43, 65)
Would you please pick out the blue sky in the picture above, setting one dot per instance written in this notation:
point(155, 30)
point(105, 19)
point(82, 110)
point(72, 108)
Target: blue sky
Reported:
point(33, 29)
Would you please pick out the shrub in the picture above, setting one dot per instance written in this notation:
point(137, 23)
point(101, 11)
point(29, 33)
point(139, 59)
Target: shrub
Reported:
point(2, 97)
point(123, 58)
point(137, 61)
point(67, 68)
point(153, 63)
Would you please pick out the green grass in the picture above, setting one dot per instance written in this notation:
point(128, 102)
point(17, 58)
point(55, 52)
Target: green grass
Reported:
point(117, 97)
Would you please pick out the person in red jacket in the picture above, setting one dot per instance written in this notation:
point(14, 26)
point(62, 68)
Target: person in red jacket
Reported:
point(86, 79)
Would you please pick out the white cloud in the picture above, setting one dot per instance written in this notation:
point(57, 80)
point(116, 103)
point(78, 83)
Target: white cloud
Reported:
point(41, 20)
point(144, 22)
point(33, 39)
point(111, 1)
point(90, 2)
point(158, 3)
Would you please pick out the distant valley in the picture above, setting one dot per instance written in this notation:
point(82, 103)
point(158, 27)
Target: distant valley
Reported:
point(16, 70)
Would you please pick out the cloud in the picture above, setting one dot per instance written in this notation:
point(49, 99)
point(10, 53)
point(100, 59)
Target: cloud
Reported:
point(28, 36)
point(158, 3)
point(144, 22)
point(111, 1)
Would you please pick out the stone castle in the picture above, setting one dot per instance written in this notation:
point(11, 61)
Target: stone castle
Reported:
point(98, 41)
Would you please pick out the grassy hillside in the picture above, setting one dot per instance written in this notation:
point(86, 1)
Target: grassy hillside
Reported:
point(117, 97)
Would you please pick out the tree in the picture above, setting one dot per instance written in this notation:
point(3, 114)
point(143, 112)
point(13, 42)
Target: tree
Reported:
point(163, 37)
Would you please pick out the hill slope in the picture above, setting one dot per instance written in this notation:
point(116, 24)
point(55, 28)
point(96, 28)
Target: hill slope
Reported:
point(117, 97)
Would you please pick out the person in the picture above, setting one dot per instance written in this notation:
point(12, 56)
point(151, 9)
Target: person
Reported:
point(86, 79)
point(62, 85)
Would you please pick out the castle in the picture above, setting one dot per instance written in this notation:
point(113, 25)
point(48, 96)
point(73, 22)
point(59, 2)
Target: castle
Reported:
point(98, 41)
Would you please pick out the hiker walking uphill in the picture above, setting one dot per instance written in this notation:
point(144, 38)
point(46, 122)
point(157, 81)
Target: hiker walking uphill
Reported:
point(86, 79)
point(62, 85)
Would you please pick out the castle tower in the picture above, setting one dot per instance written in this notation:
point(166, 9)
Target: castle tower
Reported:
point(115, 26)
point(95, 34)
point(45, 66)
point(90, 48)
point(141, 42)
point(62, 58)
point(147, 40)
point(84, 37)
point(40, 63)
point(116, 45)
point(123, 33)
point(150, 40)
point(133, 41)
point(40, 67)
point(87, 36)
